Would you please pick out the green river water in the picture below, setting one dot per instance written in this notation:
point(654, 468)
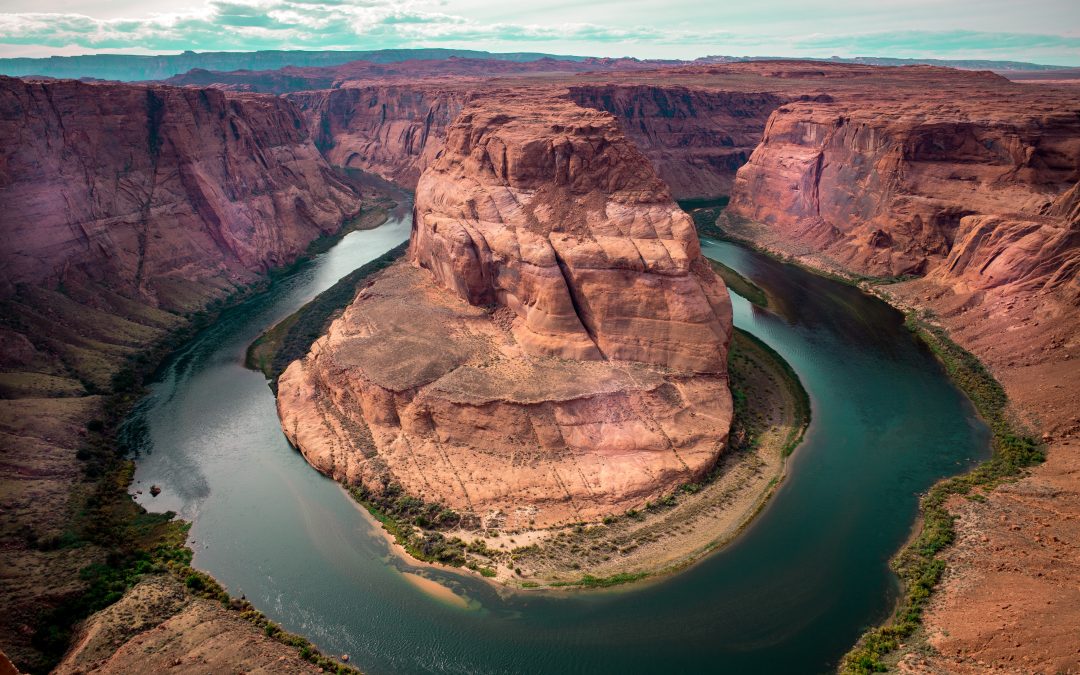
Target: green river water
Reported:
point(789, 595)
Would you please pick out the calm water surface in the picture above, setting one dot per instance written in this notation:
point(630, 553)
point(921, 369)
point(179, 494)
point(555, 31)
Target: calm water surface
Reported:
point(788, 596)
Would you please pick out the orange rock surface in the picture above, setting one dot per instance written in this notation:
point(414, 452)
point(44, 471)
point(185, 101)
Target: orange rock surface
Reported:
point(555, 351)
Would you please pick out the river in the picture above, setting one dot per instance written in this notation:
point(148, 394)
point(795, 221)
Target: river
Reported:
point(789, 595)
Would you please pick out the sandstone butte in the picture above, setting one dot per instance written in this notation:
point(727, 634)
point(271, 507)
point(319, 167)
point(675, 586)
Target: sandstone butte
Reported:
point(554, 349)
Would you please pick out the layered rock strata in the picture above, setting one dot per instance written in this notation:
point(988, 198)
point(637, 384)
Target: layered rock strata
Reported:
point(888, 188)
point(695, 138)
point(977, 195)
point(149, 187)
point(394, 131)
point(553, 352)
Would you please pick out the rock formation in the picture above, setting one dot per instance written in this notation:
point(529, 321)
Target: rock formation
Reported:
point(887, 187)
point(695, 138)
point(394, 131)
point(555, 351)
point(158, 626)
point(156, 189)
point(972, 186)
point(124, 209)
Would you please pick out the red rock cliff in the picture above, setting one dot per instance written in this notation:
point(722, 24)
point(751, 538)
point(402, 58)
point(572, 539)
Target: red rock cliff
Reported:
point(509, 214)
point(141, 187)
point(122, 209)
point(974, 184)
point(882, 186)
point(390, 130)
point(555, 351)
point(696, 138)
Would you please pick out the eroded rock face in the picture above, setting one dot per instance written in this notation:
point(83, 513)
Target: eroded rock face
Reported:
point(390, 130)
point(122, 209)
point(980, 193)
point(1035, 253)
point(886, 188)
point(147, 187)
point(696, 138)
point(567, 225)
point(554, 351)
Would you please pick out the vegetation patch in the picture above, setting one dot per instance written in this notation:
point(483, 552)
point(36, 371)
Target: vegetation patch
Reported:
point(917, 564)
point(416, 525)
point(589, 581)
point(790, 380)
point(704, 213)
point(291, 338)
point(737, 283)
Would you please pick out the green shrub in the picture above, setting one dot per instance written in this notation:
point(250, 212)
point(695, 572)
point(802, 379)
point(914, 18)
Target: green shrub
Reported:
point(917, 565)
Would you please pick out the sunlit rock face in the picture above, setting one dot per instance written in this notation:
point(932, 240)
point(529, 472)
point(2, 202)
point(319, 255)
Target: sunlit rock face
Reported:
point(553, 351)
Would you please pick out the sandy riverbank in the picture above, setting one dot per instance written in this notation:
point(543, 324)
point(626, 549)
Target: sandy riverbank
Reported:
point(670, 535)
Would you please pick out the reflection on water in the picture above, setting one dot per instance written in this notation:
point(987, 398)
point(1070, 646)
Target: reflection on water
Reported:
point(789, 595)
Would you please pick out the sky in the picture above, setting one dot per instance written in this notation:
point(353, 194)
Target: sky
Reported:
point(1040, 31)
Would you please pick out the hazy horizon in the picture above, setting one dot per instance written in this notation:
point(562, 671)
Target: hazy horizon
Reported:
point(1045, 31)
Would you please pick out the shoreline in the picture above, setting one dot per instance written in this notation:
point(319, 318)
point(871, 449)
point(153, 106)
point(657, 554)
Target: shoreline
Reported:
point(663, 538)
point(919, 563)
point(162, 552)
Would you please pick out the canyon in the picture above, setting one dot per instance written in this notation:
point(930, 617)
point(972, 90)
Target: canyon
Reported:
point(964, 183)
point(555, 305)
point(553, 352)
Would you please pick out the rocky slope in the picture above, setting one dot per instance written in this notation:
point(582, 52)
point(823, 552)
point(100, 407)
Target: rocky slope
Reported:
point(1009, 292)
point(394, 131)
point(555, 351)
point(157, 627)
point(977, 195)
point(126, 208)
point(153, 187)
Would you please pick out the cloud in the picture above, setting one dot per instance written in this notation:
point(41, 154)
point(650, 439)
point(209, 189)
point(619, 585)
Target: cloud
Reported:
point(374, 24)
point(296, 23)
point(941, 41)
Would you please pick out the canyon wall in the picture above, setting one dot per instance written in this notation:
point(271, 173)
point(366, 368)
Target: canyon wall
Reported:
point(695, 138)
point(887, 187)
point(975, 190)
point(123, 209)
point(147, 188)
point(555, 349)
point(394, 131)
